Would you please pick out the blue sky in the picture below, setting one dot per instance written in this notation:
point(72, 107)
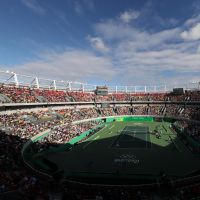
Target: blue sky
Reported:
point(123, 42)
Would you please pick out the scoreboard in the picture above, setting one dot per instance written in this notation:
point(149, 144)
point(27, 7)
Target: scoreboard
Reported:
point(178, 91)
point(102, 90)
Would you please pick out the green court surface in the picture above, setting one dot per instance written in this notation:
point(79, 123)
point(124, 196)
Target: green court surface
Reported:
point(133, 137)
point(128, 149)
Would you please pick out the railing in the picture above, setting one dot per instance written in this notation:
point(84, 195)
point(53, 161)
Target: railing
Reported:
point(12, 78)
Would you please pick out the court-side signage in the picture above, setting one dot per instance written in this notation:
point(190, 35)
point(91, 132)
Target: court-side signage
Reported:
point(128, 158)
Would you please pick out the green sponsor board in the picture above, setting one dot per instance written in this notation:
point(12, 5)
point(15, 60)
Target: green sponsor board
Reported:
point(138, 118)
point(120, 119)
point(131, 119)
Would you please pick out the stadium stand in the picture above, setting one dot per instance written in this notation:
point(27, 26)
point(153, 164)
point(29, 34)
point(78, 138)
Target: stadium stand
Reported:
point(27, 95)
point(18, 125)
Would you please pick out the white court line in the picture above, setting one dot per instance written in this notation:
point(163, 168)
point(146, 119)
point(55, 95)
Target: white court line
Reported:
point(97, 137)
point(90, 142)
point(146, 140)
point(111, 126)
point(96, 133)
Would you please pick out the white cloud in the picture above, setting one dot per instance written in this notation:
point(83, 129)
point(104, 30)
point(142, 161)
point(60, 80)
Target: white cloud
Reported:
point(114, 30)
point(192, 21)
point(128, 16)
point(75, 65)
point(143, 57)
point(136, 56)
point(198, 49)
point(119, 32)
point(34, 6)
point(98, 44)
point(192, 34)
point(149, 65)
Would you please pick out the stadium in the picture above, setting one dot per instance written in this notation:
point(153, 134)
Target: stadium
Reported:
point(99, 100)
point(140, 141)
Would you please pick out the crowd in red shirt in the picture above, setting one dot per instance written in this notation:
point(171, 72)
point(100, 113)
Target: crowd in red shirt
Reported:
point(28, 95)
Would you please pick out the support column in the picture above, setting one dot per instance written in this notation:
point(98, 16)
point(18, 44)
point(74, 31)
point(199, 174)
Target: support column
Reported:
point(54, 85)
point(83, 88)
point(37, 82)
point(16, 79)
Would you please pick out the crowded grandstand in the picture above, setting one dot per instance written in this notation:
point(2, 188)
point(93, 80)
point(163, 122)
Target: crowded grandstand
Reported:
point(27, 112)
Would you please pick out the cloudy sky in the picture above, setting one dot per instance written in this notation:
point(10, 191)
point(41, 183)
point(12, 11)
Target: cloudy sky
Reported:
point(123, 42)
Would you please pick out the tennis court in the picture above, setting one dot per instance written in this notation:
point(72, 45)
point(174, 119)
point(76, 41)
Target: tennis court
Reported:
point(133, 137)
point(128, 150)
